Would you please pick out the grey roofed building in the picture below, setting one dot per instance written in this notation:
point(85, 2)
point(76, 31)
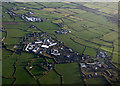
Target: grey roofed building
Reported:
point(61, 31)
point(38, 42)
point(83, 65)
point(55, 52)
point(53, 44)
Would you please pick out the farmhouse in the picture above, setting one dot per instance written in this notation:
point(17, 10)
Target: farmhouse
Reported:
point(83, 65)
point(102, 54)
point(32, 26)
point(61, 31)
point(30, 67)
point(30, 13)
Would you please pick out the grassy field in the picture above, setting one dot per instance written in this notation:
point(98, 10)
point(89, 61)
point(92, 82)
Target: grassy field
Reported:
point(15, 33)
point(90, 51)
point(101, 81)
point(116, 58)
point(13, 41)
point(8, 60)
point(70, 73)
point(37, 69)
point(6, 54)
point(87, 35)
point(47, 26)
point(20, 69)
point(7, 81)
point(50, 78)
point(69, 43)
point(8, 67)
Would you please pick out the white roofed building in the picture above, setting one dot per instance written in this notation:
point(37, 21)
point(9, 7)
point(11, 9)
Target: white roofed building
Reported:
point(45, 46)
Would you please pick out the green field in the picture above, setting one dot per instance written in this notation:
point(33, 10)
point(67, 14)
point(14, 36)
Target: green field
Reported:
point(8, 67)
point(70, 73)
point(37, 70)
point(7, 81)
point(90, 51)
point(50, 78)
point(15, 33)
point(20, 69)
point(13, 41)
point(101, 81)
point(69, 43)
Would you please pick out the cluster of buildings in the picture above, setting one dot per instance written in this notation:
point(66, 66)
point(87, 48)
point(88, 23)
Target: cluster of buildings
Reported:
point(63, 54)
point(38, 45)
point(41, 43)
point(61, 31)
point(98, 66)
point(32, 19)
point(102, 54)
point(95, 62)
point(46, 65)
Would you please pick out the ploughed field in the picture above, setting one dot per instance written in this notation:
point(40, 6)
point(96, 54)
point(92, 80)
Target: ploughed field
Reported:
point(93, 27)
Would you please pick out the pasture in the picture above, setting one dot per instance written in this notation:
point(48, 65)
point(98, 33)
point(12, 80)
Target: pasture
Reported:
point(50, 78)
point(101, 81)
point(70, 73)
point(21, 71)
